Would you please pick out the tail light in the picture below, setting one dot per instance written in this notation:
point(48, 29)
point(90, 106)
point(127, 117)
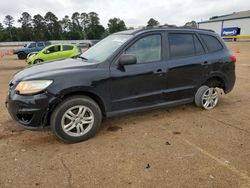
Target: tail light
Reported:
point(233, 58)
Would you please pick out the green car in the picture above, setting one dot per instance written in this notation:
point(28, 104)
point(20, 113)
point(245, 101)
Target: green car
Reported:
point(53, 52)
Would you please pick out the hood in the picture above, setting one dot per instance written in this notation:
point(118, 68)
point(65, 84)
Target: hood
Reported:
point(20, 49)
point(42, 70)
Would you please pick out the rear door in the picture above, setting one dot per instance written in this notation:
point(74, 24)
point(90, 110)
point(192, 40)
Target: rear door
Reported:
point(40, 46)
point(67, 51)
point(188, 66)
point(31, 48)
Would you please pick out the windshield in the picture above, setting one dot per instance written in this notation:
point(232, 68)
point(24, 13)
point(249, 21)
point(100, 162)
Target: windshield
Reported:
point(106, 47)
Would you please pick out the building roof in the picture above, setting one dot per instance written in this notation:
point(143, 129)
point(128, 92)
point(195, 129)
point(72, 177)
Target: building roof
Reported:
point(233, 16)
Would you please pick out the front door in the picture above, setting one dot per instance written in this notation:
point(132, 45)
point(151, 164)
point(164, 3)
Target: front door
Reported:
point(53, 53)
point(140, 85)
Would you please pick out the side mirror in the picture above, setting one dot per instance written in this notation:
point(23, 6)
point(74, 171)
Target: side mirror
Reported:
point(127, 59)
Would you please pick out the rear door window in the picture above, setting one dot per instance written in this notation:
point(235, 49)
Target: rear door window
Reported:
point(212, 43)
point(184, 45)
point(181, 45)
point(67, 47)
point(40, 44)
point(32, 45)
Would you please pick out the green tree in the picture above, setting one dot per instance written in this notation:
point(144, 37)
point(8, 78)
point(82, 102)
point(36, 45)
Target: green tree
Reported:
point(66, 23)
point(152, 22)
point(9, 21)
point(94, 30)
point(26, 32)
point(93, 18)
point(192, 24)
point(76, 26)
point(39, 26)
point(213, 17)
point(115, 25)
point(84, 20)
point(54, 29)
point(2, 32)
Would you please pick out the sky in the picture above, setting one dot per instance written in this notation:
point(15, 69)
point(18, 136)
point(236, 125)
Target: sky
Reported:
point(135, 13)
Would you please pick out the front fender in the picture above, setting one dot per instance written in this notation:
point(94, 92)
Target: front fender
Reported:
point(87, 91)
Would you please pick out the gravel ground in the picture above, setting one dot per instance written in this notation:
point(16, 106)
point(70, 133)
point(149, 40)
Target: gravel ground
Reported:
point(178, 147)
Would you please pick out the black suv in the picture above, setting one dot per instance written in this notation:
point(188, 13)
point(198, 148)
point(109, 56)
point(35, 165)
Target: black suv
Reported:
point(126, 72)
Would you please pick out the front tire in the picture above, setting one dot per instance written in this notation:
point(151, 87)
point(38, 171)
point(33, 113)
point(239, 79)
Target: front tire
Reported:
point(21, 55)
point(76, 119)
point(37, 61)
point(207, 97)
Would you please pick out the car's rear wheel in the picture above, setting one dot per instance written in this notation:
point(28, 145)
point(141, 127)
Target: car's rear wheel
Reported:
point(76, 119)
point(207, 97)
point(21, 55)
point(38, 61)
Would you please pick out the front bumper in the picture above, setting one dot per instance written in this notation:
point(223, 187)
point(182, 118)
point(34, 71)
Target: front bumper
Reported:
point(31, 112)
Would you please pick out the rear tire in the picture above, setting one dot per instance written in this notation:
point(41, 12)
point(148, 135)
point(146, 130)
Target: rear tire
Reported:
point(21, 55)
point(207, 97)
point(76, 119)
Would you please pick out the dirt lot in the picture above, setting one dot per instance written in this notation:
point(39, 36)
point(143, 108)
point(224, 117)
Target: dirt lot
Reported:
point(178, 147)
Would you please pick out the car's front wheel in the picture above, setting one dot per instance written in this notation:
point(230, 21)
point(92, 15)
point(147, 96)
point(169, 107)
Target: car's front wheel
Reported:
point(21, 55)
point(76, 119)
point(207, 97)
point(38, 61)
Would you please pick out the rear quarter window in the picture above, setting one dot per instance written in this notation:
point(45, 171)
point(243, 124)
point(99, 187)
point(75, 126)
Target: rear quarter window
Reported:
point(212, 43)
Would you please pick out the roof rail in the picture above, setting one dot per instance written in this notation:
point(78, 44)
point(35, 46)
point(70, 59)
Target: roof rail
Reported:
point(174, 26)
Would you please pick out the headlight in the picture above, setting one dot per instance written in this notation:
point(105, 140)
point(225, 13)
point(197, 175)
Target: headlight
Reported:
point(32, 86)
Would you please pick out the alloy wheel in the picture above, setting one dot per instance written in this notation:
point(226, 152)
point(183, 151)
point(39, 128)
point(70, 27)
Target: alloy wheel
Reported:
point(77, 120)
point(210, 98)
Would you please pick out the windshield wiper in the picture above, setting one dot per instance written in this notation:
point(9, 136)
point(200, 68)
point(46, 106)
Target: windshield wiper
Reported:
point(84, 58)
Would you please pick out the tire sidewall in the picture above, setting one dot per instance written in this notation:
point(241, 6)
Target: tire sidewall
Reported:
point(21, 55)
point(37, 61)
point(62, 108)
point(199, 95)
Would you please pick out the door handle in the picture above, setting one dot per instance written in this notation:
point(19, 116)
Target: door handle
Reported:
point(205, 63)
point(158, 71)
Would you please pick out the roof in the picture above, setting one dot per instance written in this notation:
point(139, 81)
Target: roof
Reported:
point(157, 28)
point(233, 16)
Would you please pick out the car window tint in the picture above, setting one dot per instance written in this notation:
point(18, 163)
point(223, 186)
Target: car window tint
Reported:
point(32, 45)
point(54, 49)
point(40, 44)
point(67, 47)
point(198, 46)
point(146, 49)
point(181, 45)
point(212, 43)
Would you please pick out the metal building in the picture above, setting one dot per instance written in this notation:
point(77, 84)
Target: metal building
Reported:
point(236, 24)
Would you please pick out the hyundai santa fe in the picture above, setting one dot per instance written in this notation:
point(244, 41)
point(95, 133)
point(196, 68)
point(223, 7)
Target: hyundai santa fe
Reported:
point(126, 72)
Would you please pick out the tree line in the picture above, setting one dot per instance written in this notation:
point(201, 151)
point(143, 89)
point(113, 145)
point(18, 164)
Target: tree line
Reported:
point(49, 27)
